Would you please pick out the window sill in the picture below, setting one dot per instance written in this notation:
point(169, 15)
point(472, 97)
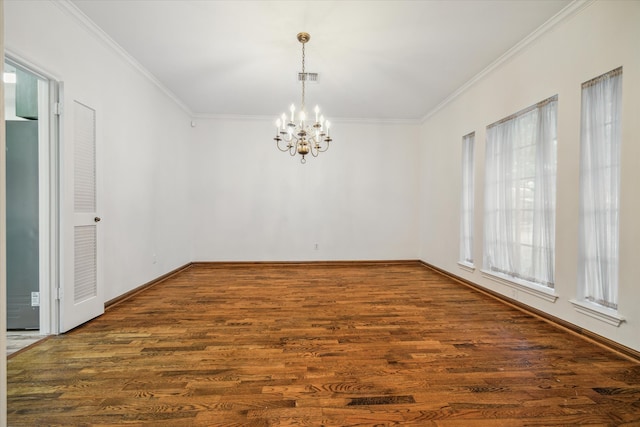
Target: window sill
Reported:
point(466, 266)
point(598, 312)
point(539, 291)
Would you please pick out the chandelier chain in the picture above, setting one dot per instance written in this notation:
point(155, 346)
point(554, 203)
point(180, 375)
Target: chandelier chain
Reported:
point(304, 76)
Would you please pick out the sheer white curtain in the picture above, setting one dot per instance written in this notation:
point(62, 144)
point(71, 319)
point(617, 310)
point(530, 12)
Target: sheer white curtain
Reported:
point(600, 188)
point(520, 195)
point(466, 202)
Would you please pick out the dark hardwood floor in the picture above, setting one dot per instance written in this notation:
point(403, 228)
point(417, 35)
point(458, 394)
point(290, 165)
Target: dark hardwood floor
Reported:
point(319, 345)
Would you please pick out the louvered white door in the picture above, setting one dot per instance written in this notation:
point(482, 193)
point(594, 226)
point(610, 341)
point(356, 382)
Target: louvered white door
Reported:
point(81, 296)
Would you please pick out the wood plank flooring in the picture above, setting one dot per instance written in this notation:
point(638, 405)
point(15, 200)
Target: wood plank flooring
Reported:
point(319, 345)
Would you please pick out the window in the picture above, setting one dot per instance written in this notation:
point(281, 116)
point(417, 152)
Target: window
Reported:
point(466, 202)
point(599, 189)
point(520, 195)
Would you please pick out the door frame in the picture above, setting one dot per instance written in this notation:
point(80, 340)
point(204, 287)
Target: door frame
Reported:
point(49, 168)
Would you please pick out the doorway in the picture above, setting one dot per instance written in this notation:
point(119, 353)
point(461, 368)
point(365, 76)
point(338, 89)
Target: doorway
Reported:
point(31, 192)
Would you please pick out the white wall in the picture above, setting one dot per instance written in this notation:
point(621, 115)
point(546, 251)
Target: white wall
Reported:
point(597, 39)
point(142, 142)
point(357, 201)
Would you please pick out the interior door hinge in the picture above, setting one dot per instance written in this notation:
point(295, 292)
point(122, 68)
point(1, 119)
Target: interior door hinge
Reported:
point(57, 108)
point(59, 294)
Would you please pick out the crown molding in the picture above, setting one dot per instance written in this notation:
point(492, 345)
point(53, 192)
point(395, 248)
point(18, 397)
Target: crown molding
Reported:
point(241, 117)
point(377, 121)
point(570, 10)
point(72, 10)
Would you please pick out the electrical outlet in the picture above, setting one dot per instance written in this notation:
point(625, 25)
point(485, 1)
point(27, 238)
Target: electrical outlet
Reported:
point(316, 247)
point(155, 259)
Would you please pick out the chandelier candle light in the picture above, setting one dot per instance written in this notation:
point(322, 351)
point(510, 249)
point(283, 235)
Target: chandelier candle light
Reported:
point(304, 136)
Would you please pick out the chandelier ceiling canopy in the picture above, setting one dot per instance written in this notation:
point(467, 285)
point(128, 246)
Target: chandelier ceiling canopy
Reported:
point(302, 135)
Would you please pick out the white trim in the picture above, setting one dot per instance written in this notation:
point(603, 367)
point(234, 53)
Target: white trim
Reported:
point(44, 204)
point(73, 11)
point(542, 292)
point(466, 266)
point(3, 242)
point(211, 116)
point(21, 61)
point(598, 312)
point(570, 10)
point(67, 6)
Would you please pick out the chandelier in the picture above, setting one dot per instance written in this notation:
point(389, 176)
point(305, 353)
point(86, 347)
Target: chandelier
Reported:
point(303, 136)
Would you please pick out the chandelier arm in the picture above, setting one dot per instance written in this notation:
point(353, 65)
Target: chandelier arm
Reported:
point(322, 150)
point(281, 149)
point(326, 147)
point(293, 148)
point(286, 148)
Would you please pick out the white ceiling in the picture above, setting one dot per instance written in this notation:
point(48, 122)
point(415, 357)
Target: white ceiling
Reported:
point(376, 59)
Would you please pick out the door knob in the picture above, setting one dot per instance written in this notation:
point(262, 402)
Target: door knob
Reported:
point(96, 219)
